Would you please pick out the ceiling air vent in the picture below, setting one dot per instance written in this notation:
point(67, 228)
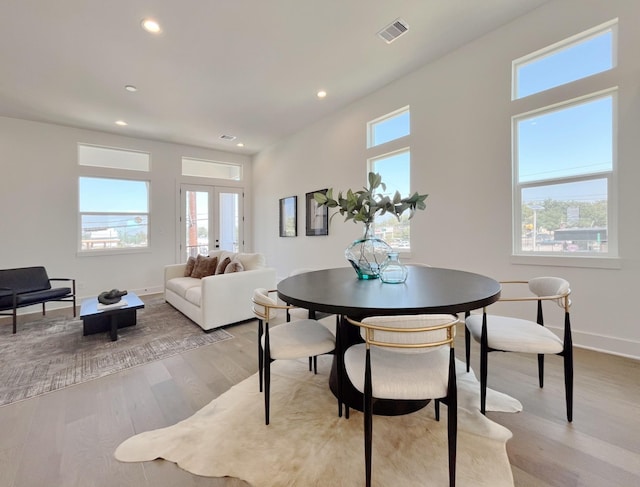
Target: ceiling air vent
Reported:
point(228, 137)
point(394, 30)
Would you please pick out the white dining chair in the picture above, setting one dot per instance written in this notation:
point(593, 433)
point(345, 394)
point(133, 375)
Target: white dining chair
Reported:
point(405, 358)
point(291, 340)
point(508, 334)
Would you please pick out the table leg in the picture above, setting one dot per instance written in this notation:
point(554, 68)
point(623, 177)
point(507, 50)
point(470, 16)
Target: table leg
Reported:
point(114, 327)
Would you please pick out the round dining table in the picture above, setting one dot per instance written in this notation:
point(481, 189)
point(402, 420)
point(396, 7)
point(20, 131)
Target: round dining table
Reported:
point(427, 290)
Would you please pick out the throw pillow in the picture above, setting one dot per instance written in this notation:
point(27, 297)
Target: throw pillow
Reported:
point(234, 266)
point(212, 265)
point(191, 263)
point(222, 266)
point(205, 266)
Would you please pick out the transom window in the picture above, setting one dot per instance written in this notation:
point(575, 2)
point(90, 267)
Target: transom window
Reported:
point(211, 169)
point(586, 54)
point(388, 127)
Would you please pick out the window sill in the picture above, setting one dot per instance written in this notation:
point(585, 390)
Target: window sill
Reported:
point(564, 261)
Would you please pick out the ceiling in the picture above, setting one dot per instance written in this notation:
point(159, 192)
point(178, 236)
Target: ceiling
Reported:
point(246, 68)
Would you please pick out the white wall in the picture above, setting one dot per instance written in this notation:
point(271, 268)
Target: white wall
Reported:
point(39, 205)
point(461, 156)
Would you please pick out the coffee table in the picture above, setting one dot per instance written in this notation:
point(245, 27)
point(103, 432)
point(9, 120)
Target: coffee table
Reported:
point(99, 319)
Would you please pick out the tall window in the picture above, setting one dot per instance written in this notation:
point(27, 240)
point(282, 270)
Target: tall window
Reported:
point(564, 154)
point(395, 168)
point(113, 211)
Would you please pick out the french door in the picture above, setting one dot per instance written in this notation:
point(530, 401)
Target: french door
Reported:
point(211, 218)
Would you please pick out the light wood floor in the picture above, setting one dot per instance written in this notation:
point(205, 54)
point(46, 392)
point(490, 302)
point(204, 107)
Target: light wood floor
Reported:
point(67, 438)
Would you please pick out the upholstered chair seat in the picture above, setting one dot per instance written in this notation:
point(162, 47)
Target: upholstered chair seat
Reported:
point(515, 335)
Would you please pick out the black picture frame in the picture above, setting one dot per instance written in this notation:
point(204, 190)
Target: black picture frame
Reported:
point(317, 216)
point(289, 216)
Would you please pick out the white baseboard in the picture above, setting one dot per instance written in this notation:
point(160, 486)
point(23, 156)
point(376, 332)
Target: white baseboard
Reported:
point(603, 343)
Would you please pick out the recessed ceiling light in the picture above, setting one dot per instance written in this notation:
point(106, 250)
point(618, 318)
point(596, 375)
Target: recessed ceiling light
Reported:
point(130, 88)
point(121, 123)
point(240, 144)
point(151, 25)
point(321, 94)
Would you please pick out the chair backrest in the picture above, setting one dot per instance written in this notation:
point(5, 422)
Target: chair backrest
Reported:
point(264, 307)
point(551, 286)
point(408, 333)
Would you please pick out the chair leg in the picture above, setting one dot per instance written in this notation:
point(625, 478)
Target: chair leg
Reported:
point(368, 419)
point(568, 367)
point(467, 341)
point(15, 320)
point(541, 370)
point(339, 365)
point(267, 376)
point(315, 364)
point(484, 358)
point(260, 355)
point(436, 404)
point(310, 362)
point(452, 419)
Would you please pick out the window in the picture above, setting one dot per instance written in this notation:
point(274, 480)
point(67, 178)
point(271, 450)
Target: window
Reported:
point(114, 214)
point(395, 168)
point(211, 169)
point(583, 55)
point(113, 211)
point(389, 127)
point(90, 155)
point(564, 154)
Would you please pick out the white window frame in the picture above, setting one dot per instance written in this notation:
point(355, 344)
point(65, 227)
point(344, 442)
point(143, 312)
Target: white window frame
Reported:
point(107, 172)
point(559, 97)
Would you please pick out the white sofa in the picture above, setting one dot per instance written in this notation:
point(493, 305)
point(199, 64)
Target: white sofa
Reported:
point(222, 299)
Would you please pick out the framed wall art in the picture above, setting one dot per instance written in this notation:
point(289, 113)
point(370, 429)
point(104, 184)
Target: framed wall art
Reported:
point(289, 216)
point(317, 216)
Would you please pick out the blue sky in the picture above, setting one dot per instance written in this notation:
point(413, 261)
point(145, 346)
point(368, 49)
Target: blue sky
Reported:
point(102, 195)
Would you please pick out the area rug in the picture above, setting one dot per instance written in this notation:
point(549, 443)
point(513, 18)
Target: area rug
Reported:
point(307, 444)
point(51, 353)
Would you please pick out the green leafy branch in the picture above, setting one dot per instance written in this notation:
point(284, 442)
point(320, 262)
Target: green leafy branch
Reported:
point(362, 206)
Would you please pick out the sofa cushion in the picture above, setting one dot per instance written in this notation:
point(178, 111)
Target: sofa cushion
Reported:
point(222, 266)
point(234, 266)
point(180, 285)
point(194, 295)
point(205, 266)
point(188, 269)
point(251, 261)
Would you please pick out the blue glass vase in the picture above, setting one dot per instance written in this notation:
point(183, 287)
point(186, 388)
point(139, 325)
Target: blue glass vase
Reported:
point(367, 254)
point(392, 270)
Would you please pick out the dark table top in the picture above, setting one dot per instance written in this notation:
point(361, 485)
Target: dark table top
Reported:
point(427, 290)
